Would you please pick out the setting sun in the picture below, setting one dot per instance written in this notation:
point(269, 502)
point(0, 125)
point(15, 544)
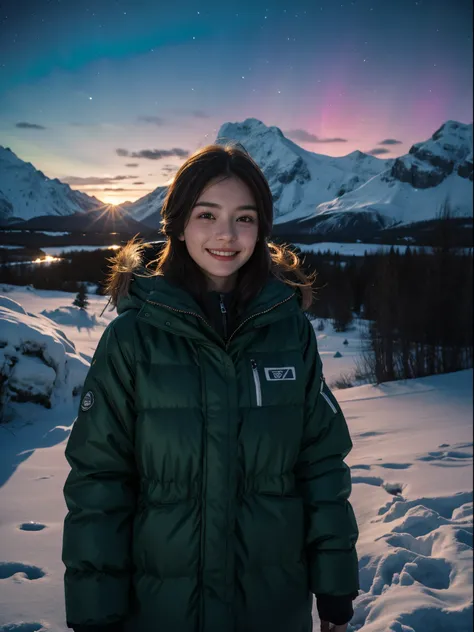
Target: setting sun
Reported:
point(47, 259)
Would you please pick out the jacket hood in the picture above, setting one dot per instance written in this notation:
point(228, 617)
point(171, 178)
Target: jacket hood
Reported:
point(127, 269)
point(130, 284)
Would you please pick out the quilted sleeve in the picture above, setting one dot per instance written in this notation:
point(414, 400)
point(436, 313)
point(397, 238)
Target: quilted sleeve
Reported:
point(324, 481)
point(101, 488)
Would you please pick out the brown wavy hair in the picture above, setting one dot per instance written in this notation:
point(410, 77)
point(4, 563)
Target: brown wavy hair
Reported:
point(174, 261)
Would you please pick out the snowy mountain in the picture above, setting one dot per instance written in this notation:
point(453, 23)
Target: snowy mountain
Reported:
point(313, 192)
point(147, 205)
point(416, 185)
point(299, 179)
point(26, 192)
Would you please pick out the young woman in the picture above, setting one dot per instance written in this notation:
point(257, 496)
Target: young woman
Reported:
point(208, 491)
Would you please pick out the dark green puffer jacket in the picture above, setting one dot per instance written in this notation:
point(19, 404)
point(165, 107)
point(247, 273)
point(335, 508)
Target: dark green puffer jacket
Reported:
point(207, 490)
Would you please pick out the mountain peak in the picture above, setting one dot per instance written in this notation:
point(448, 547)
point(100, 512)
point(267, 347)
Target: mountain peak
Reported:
point(250, 127)
point(454, 132)
point(25, 192)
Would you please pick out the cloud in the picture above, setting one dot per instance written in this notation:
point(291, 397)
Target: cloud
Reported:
point(110, 189)
point(29, 126)
point(153, 120)
point(76, 180)
point(132, 164)
point(306, 137)
point(390, 141)
point(138, 183)
point(166, 169)
point(378, 151)
point(155, 154)
point(200, 114)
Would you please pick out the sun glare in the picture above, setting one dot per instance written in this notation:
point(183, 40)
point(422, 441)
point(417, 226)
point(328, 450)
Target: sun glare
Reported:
point(47, 259)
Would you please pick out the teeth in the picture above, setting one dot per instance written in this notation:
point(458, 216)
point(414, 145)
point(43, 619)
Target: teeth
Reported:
point(222, 253)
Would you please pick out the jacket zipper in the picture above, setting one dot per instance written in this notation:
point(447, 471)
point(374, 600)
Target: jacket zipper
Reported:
point(224, 315)
point(184, 311)
point(265, 311)
point(256, 379)
point(333, 408)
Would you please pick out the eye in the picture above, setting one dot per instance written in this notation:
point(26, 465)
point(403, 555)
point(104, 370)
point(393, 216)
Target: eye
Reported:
point(248, 219)
point(207, 214)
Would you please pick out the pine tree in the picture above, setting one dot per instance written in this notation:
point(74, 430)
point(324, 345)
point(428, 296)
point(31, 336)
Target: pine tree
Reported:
point(81, 298)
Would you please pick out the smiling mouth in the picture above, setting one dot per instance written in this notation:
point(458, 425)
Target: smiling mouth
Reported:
point(223, 254)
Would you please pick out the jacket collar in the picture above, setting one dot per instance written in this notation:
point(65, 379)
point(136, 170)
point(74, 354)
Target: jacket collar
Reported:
point(172, 308)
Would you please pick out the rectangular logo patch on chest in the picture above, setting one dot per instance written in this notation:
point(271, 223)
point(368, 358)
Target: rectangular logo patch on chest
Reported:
point(277, 374)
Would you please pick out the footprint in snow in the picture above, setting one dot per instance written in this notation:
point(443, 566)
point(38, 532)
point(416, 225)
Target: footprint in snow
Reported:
point(391, 488)
point(395, 466)
point(455, 507)
point(42, 478)
point(404, 567)
point(24, 571)
point(415, 556)
point(433, 618)
point(458, 456)
point(23, 627)
point(32, 526)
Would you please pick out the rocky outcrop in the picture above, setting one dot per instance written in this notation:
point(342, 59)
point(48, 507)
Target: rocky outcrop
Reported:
point(428, 163)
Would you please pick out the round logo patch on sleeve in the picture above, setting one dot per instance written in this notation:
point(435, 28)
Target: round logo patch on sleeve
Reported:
point(87, 401)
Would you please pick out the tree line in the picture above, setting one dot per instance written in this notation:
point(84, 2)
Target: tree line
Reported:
point(417, 304)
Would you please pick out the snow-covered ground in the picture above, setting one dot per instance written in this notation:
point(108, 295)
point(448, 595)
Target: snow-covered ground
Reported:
point(412, 490)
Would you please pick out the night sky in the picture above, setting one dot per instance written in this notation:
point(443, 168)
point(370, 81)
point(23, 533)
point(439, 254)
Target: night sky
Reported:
point(111, 95)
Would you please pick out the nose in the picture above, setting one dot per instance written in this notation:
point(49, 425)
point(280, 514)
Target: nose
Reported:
point(225, 230)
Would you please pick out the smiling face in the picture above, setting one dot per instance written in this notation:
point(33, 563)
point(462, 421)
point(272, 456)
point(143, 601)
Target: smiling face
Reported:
point(222, 231)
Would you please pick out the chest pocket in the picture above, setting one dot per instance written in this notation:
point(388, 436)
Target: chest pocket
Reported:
point(275, 378)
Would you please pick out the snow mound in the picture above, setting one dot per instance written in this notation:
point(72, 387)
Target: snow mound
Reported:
point(38, 363)
point(9, 303)
point(427, 568)
point(70, 315)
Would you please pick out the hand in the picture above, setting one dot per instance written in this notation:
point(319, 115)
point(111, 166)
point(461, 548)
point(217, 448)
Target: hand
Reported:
point(331, 627)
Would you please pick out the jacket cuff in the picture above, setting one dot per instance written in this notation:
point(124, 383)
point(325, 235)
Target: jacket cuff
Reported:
point(334, 608)
point(111, 627)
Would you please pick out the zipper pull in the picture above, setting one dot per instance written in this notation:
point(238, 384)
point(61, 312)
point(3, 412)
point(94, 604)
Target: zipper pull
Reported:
point(256, 380)
point(224, 315)
point(223, 309)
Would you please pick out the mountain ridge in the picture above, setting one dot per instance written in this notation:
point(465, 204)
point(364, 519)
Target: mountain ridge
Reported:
point(25, 192)
point(312, 193)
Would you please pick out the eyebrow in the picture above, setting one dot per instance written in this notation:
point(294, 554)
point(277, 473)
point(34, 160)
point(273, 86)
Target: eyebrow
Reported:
point(245, 207)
